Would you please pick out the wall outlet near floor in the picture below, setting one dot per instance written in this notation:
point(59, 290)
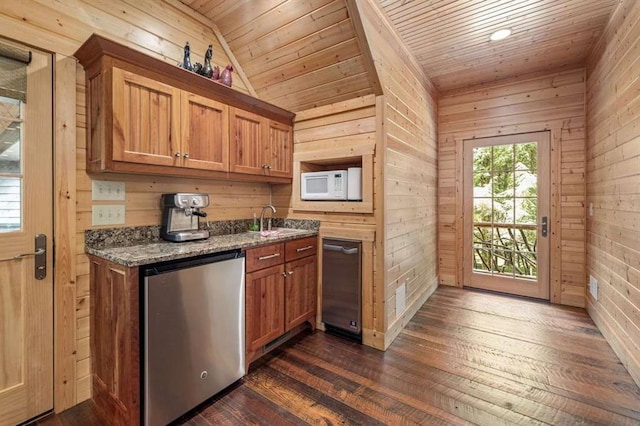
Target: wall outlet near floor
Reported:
point(104, 190)
point(593, 287)
point(401, 299)
point(107, 215)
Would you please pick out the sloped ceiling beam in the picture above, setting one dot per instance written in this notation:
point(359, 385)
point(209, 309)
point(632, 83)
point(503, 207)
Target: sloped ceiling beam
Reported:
point(361, 37)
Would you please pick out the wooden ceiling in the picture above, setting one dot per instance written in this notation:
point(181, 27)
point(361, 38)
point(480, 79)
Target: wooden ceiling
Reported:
point(297, 54)
point(450, 38)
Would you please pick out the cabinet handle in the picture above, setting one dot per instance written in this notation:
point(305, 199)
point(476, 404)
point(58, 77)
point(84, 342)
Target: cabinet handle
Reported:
point(290, 273)
point(268, 167)
point(178, 154)
point(271, 256)
point(186, 156)
point(264, 166)
point(298, 250)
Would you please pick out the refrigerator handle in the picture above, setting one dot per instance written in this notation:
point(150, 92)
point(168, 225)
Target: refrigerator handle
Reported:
point(332, 247)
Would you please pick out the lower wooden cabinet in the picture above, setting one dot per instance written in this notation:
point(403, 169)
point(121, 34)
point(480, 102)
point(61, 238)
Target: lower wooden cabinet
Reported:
point(264, 302)
point(281, 297)
point(300, 291)
point(115, 337)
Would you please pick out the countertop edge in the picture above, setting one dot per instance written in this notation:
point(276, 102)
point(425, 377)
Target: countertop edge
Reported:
point(212, 245)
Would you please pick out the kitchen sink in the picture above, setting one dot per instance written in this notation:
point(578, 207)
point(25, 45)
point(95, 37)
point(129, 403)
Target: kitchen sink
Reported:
point(280, 232)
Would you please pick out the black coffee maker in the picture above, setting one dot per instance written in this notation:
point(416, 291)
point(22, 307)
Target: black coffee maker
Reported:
point(181, 217)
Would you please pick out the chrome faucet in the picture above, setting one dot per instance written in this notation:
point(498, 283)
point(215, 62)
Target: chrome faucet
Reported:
point(273, 210)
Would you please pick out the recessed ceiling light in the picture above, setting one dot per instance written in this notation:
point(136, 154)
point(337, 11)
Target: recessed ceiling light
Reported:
point(500, 34)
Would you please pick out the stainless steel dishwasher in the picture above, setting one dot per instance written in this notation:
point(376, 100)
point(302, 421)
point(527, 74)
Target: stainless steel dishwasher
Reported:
point(342, 286)
point(193, 332)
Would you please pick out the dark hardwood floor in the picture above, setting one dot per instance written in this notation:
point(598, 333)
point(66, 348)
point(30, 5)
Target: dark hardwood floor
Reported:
point(466, 357)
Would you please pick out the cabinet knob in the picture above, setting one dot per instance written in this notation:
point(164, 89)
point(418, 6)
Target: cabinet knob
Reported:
point(290, 273)
point(178, 154)
point(284, 274)
point(264, 166)
point(268, 166)
point(186, 155)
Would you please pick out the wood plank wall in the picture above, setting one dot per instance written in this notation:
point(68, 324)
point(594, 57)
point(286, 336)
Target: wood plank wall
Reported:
point(322, 130)
point(613, 183)
point(159, 30)
point(553, 102)
point(408, 220)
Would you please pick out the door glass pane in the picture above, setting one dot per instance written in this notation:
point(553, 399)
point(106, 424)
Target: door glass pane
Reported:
point(10, 164)
point(526, 156)
point(10, 204)
point(505, 210)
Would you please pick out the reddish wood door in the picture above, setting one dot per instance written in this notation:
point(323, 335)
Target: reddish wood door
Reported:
point(279, 160)
point(264, 303)
point(247, 144)
point(300, 290)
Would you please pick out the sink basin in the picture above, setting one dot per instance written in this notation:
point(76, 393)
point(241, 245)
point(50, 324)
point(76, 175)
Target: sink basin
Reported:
point(280, 232)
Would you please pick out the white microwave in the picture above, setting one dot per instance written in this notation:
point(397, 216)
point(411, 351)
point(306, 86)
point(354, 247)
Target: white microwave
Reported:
point(328, 185)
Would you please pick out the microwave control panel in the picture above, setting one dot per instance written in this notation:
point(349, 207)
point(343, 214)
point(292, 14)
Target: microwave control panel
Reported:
point(337, 182)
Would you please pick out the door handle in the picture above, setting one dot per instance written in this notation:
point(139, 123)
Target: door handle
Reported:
point(545, 226)
point(344, 250)
point(39, 254)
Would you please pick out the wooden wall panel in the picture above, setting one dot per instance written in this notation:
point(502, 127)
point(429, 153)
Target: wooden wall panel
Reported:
point(613, 184)
point(553, 102)
point(295, 56)
point(350, 124)
point(159, 30)
point(408, 149)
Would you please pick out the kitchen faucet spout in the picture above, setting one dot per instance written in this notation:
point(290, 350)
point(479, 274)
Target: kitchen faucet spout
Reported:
point(273, 210)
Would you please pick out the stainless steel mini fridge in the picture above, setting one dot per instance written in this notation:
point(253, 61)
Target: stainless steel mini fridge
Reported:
point(342, 286)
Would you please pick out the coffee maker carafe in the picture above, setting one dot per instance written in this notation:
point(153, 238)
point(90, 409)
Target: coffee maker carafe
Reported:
point(180, 217)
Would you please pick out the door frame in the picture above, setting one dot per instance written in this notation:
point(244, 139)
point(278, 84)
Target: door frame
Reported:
point(64, 233)
point(545, 208)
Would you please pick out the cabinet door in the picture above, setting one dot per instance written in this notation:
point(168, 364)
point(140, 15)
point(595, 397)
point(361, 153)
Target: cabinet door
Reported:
point(146, 116)
point(300, 291)
point(205, 133)
point(247, 145)
point(264, 301)
point(279, 159)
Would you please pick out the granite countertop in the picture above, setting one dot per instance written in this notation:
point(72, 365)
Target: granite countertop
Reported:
point(109, 244)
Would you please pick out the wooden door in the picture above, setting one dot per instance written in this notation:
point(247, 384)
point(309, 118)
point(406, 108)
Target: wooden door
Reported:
point(205, 133)
point(279, 159)
point(264, 304)
point(247, 146)
point(506, 206)
point(300, 291)
point(146, 117)
point(26, 303)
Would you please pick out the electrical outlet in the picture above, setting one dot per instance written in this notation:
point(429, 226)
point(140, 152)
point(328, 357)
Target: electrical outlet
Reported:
point(590, 209)
point(401, 299)
point(105, 190)
point(107, 215)
point(593, 287)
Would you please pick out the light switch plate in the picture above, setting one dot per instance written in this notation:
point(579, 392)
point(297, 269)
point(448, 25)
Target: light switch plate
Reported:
point(107, 215)
point(105, 190)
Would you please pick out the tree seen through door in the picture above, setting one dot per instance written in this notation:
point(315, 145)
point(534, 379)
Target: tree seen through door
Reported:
point(505, 210)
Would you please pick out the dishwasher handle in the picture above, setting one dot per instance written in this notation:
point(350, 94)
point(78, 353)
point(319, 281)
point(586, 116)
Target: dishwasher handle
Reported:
point(344, 250)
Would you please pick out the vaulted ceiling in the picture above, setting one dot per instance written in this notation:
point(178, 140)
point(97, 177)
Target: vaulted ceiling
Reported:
point(296, 54)
point(299, 54)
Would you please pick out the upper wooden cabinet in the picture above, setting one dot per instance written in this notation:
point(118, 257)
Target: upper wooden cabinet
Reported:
point(260, 146)
point(147, 116)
